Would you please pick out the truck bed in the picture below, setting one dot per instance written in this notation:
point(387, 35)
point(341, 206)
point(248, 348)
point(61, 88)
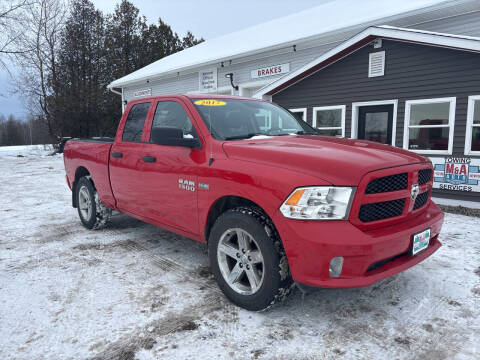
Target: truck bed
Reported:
point(92, 154)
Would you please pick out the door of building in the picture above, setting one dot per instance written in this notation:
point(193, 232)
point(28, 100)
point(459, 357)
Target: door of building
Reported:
point(375, 123)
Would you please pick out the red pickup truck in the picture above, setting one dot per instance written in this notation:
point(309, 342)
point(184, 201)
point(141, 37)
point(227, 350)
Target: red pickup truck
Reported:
point(274, 201)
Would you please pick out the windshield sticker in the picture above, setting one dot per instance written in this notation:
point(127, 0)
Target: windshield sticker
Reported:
point(210, 102)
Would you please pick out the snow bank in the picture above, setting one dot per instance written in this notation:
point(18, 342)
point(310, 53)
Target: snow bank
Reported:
point(26, 150)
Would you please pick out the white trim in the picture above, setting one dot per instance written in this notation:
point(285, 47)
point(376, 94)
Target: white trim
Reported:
point(459, 42)
point(300, 110)
point(356, 105)
point(333, 107)
point(470, 125)
point(123, 102)
point(450, 125)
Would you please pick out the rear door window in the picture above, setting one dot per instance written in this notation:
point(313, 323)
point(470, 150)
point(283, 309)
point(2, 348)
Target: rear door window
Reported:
point(135, 121)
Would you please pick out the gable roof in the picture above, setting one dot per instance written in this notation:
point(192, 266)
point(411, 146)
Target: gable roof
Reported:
point(459, 42)
point(326, 18)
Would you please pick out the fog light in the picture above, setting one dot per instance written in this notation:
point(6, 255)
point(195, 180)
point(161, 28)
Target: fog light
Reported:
point(336, 265)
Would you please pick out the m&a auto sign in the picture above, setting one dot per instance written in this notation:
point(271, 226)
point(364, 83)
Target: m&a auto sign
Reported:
point(452, 173)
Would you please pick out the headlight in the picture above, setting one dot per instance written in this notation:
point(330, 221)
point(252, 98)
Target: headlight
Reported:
point(318, 203)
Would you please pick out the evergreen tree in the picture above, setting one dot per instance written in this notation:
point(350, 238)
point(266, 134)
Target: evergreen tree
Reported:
point(81, 66)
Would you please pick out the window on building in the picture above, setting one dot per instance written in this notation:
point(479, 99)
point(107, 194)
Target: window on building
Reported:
point(472, 136)
point(329, 120)
point(300, 113)
point(429, 125)
point(133, 129)
point(172, 114)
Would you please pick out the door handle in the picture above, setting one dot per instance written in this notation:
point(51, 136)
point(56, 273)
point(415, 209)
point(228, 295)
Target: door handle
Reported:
point(117, 155)
point(149, 159)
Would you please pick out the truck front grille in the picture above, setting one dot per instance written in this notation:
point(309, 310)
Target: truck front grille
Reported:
point(381, 210)
point(387, 194)
point(421, 200)
point(387, 184)
point(424, 176)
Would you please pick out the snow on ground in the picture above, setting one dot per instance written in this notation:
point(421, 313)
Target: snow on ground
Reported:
point(136, 291)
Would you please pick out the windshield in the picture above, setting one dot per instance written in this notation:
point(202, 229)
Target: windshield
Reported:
point(231, 119)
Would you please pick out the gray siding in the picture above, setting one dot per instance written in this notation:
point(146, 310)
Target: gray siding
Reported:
point(177, 85)
point(411, 72)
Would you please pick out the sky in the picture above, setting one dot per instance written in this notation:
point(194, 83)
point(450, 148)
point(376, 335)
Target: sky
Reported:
point(207, 19)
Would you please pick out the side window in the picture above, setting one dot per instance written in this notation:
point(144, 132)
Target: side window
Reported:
point(134, 123)
point(172, 114)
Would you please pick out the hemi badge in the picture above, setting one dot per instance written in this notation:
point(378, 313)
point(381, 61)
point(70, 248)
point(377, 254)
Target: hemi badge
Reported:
point(203, 186)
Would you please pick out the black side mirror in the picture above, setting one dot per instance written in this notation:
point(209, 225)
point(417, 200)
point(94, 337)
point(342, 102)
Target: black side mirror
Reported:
point(172, 136)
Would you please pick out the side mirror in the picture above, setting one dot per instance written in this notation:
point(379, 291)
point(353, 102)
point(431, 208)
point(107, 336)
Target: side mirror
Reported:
point(172, 136)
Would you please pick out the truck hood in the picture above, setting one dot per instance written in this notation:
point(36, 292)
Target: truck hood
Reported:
point(337, 161)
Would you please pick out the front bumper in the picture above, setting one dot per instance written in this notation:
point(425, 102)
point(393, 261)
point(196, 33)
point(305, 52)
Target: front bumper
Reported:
point(369, 256)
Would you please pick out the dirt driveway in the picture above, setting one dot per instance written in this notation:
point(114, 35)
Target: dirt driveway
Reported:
point(136, 291)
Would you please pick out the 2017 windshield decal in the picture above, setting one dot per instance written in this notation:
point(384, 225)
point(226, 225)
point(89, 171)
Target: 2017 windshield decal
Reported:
point(210, 102)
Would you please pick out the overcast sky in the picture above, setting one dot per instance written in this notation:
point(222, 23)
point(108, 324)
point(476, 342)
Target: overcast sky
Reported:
point(207, 19)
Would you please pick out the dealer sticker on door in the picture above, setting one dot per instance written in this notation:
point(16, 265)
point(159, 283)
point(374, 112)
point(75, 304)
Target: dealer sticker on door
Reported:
point(420, 241)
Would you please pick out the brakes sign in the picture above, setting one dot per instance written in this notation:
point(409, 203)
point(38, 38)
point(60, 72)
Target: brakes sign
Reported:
point(210, 102)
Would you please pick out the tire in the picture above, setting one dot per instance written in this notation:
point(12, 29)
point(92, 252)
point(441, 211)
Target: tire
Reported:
point(257, 277)
point(92, 212)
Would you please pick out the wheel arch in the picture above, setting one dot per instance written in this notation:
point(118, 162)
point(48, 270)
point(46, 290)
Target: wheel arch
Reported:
point(225, 203)
point(79, 173)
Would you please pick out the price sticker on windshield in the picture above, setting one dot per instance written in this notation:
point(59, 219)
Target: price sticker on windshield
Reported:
point(210, 102)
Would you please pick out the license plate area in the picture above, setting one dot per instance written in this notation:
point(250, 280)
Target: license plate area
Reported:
point(420, 241)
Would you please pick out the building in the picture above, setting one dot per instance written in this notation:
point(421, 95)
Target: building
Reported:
point(398, 72)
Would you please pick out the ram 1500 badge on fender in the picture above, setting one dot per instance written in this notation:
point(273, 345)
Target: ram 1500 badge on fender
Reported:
point(274, 201)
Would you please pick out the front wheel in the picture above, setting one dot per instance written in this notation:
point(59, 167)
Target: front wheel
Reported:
point(92, 212)
point(248, 260)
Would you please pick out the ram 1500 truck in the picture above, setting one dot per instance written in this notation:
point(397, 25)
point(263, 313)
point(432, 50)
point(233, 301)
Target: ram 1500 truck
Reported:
point(275, 202)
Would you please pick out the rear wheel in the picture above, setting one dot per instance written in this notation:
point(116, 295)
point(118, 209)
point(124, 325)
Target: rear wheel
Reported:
point(248, 260)
point(92, 212)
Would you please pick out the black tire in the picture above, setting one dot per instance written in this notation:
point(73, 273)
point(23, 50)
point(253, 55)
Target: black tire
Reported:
point(99, 214)
point(277, 281)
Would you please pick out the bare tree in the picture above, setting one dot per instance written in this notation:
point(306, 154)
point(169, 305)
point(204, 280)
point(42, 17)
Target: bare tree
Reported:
point(42, 24)
point(10, 18)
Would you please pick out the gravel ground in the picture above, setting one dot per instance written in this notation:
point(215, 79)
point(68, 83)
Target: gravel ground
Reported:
point(134, 291)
